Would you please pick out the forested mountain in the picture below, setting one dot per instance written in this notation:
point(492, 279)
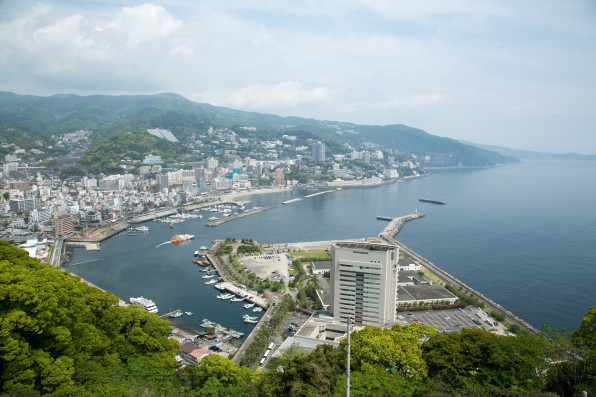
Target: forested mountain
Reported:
point(60, 337)
point(41, 117)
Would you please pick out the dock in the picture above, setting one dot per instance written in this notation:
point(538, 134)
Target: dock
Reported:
point(292, 201)
point(153, 215)
point(225, 219)
point(319, 193)
point(396, 224)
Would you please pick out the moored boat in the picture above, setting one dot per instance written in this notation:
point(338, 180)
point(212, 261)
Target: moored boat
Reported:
point(212, 281)
point(249, 305)
point(148, 304)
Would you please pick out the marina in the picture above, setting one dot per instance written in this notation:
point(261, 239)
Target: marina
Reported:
point(217, 222)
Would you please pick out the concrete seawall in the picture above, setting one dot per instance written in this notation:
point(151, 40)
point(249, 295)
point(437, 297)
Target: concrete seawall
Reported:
point(449, 279)
point(396, 224)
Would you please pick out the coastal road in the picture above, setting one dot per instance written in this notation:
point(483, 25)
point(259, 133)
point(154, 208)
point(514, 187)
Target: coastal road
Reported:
point(251, 337)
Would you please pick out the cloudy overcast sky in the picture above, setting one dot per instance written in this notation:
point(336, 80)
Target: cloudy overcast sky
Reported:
point(520, 74)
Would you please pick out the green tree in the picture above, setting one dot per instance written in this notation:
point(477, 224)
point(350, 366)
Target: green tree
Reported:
point(396, 349)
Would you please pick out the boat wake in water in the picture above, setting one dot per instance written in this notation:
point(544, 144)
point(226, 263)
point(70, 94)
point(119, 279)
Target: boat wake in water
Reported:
point(165, 242)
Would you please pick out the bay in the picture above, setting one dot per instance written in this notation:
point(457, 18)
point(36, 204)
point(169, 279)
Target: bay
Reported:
point(524, 235)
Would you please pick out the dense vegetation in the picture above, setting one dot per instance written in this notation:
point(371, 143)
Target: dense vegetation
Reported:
point(60, 337)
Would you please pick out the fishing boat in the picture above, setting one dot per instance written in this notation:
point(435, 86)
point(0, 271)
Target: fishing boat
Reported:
point(237, 299)
point(209, 276)
point(176, 314)
point(225, 296)
point(250, 317)
point(212, 281)
point(219, 287)
point(249, 305)
point(249, 321)
point(188, 313)
point(142, 229)
point(257, 309)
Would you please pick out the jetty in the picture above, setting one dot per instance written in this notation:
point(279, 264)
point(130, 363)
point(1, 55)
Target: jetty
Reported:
point(152, 215)
point(396, 224)
point(225, 219)
point(319, 193)
point(292, 201)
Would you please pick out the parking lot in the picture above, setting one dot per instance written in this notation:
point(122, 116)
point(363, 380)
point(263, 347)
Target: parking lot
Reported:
point(444, 320)
point(272, 266)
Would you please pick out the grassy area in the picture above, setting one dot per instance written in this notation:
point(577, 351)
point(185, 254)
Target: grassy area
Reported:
point(310, 255)
point(430, 275)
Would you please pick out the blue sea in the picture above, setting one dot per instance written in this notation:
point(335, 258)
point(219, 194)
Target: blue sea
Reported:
point(522, 234)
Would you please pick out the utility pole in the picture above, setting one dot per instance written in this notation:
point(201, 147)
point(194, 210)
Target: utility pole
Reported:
point(348, 360)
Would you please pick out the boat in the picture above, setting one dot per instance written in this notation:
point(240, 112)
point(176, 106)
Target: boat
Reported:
point(148, 304)
point(212, 281)
point(142, 229)
point(249, 305)
point(250, 317)
point(213, 218)
point(249, 321)
point(225, 296)
point(176, 314)
point(208, 276)
point(219, 287)
point(171, 226)
point(203, 248)
point(431, 201)
point(237, 299)
point(188, 313)
point(182, 237)
point(257, 309)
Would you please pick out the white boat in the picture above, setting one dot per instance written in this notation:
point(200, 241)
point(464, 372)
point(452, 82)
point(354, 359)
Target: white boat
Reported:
point(203, 248)
point(188, 313)
point(212, 281)
point(249, 321)
point(225, 296)
point(142, 229)
point(250, 317)
point(219, 287)
point(213, 218)
point(249, 305)
point(176, 314)
point(148, 304)
point(237, 299)
point(209, 276)
point(257, 309)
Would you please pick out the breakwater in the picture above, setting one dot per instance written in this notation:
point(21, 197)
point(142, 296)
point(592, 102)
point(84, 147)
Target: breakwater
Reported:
point(396, 224)
point(152, 215)
point(218, 222)
point(449, 279)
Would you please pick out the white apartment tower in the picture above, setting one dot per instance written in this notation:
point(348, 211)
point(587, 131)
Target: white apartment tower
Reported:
point(364, 282)
point(318, 151)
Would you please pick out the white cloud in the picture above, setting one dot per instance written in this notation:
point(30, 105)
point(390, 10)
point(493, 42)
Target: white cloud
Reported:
point(283, 95)
point(146, 22)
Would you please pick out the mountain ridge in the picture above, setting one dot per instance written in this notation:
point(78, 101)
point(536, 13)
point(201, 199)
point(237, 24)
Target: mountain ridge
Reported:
point(42, 117)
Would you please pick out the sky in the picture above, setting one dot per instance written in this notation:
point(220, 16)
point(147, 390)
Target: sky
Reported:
point(519, 74)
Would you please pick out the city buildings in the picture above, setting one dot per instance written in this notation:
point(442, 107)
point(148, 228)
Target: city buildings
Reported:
point(62, 224)
point(364, 282)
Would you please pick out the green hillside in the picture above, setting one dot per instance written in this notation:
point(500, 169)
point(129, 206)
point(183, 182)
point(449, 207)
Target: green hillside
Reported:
point(41, 117)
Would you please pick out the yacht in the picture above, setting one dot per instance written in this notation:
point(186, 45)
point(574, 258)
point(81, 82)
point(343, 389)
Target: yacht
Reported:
point(148, 304)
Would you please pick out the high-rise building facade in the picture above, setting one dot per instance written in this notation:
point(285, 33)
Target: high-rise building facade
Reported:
point(364, 282)
point(318, 151)
point(62, 224)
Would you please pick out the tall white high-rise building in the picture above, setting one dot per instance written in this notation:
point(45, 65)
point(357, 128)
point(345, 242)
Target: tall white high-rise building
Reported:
point(364, 282)
point(318, 151)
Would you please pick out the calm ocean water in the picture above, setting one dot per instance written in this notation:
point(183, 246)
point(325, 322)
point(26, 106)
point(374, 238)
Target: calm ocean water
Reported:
point(523, 235)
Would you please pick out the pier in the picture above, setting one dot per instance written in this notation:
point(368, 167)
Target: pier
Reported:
point(292, 201)
point(152, 216)
point(319, 193)
point(237, 216)
point(396, 224)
